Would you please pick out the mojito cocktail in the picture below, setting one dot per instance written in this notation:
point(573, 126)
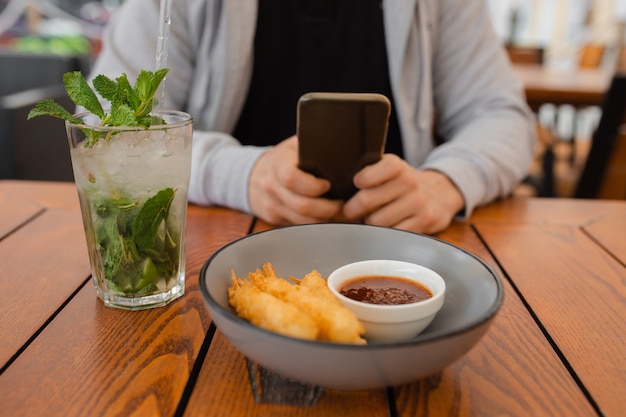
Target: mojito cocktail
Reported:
point(132, 184)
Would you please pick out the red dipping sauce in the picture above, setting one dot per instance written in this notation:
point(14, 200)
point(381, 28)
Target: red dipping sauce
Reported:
point(386, 290)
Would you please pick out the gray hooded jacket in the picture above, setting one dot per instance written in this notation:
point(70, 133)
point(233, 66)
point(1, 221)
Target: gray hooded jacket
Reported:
point(444, 59)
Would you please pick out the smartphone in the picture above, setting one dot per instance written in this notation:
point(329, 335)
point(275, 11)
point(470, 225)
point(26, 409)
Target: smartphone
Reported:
point(339, 134)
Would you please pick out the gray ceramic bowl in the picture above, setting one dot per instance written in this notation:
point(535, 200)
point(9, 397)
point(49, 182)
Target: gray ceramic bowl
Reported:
point(474, 295)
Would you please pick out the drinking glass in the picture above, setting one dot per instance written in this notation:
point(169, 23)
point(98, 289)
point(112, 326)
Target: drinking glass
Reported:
point(132, 184)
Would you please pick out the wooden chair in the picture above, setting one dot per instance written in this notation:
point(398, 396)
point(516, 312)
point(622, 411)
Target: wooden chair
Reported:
point(606, 140)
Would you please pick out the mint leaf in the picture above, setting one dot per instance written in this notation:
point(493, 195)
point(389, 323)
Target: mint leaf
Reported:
point(150, 217)
point(143, 85)
point(148, 84)
point(123, 115)
point(49, 107)
point(81, 94)
point(127, 94)
point(149, 120)
point(108, 239)
point(106, 87)
point(146, 87)
point(114, 234)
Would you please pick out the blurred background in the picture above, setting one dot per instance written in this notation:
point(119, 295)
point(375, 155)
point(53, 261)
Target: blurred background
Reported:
point(563, 29)
point(63, 27)
point(571, 55)
point(40, 40)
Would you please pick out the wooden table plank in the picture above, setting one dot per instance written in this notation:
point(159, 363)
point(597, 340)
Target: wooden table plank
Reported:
point(562, 211)
point(15, 211)
point(111, 361)
point(41, 266)
point(47, 193)
point(500, 375)
point(22, 200)
point(609, 231)
point(224, 381)
point(94, 360)
point(563, 262)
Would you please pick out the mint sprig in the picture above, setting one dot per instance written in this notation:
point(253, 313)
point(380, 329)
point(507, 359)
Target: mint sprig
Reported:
point(137, 245)
point(130, 105)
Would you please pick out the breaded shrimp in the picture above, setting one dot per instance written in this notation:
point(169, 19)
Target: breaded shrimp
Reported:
point(314, 281)
point(335, 322)
point(268, 312)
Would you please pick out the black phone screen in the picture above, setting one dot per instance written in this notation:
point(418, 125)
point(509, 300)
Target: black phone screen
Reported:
point(339, 134)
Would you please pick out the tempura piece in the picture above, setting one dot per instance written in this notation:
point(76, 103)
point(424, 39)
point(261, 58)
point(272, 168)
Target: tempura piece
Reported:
point(335, 322)
point(314, 281)
point(268, 312)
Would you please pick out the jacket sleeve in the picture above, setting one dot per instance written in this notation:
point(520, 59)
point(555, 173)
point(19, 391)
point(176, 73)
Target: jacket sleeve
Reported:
point(220, 164)
point(480, 106)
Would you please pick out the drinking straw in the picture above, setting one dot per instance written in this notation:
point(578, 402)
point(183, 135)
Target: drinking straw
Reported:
point(165, 19)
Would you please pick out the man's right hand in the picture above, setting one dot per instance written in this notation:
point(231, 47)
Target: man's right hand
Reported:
point(282, 194)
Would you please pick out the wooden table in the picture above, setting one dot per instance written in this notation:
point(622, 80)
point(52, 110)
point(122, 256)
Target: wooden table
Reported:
point(580, 87)
point(556, 348)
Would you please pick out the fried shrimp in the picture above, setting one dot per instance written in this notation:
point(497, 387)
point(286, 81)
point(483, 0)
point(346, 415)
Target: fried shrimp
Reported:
point(268, 312)
point(314, 281)
point(335, 322)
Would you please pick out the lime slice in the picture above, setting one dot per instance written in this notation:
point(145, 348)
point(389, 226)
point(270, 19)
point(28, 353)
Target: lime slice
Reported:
point(150, 275)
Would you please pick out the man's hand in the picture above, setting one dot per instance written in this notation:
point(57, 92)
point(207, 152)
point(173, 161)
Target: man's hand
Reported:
point(282, 194)
point(394, 194)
